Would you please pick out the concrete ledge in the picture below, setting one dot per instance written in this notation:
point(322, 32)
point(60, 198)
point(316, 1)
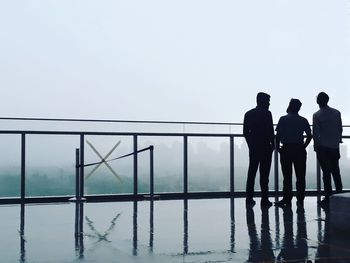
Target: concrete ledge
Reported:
point(339, 209)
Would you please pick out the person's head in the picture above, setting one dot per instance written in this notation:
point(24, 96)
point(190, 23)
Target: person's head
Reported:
point(294, 106)
point(263, 100)
point(322, 99)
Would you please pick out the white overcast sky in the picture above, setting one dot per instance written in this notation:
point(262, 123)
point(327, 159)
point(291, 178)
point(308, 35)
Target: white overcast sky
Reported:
point(183, 60)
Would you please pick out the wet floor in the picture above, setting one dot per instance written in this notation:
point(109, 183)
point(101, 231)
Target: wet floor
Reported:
point(210, 230)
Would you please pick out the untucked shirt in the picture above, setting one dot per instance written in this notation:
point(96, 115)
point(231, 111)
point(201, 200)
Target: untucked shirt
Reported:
point(258, 128)
point(327, 127)
point(291, 128)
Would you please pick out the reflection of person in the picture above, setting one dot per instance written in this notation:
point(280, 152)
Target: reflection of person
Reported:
point(259, 135)
point(301, 236)
point(327, 133)
point(290, 131)
point(298, 251)
point(324, 240)
point(259, 251)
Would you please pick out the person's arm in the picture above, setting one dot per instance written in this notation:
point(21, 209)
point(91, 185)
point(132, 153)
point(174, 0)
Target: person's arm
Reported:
point(340, 128)
point(278, 142)
point(316, 131)
point(278, 137)
point(272, 132)
point(246, 129)
point(308, 134)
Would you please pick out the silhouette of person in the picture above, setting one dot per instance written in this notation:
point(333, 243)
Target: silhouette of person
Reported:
point(259, 250)
point(290, 131)
point(259, 135)
point(327, 134)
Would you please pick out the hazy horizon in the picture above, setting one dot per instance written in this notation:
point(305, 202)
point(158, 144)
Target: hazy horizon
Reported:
point(161, 60)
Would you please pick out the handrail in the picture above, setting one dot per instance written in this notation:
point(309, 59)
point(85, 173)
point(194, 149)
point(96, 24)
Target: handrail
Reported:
point(190, 134)
point(125, 121)
point(119, 121)
point(119, 133)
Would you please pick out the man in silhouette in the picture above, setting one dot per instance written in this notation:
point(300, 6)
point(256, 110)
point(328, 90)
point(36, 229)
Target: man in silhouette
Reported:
point(327, 134)
point(259, 135)
point(290, 131)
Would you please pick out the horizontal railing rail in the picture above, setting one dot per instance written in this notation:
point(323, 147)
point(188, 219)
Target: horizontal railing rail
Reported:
point(126, 121)
point(119, 121)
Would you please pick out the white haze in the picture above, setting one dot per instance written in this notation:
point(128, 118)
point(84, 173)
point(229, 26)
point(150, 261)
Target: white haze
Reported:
point(193, 60)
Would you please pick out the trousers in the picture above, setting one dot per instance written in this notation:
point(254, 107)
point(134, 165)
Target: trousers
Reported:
point(259, 158)
point(329, 162)
point(293, 155)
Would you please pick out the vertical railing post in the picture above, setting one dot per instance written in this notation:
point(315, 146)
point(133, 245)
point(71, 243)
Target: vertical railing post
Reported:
point(276, 173)
point(151, 165)
point(77, 180)
point(135, 166)
point(318, 180)
point(23, 166)
point(232, 170)
point(185, 171)
point(81, 170)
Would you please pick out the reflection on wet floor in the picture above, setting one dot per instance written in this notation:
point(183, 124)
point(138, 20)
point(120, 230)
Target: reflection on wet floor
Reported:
point(211, 230)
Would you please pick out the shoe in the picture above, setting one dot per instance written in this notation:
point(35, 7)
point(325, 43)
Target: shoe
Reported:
point(282, 203)
point(250, 202)
point(265, 202)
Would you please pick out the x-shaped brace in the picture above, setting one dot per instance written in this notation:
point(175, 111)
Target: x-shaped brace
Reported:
point(103, 159)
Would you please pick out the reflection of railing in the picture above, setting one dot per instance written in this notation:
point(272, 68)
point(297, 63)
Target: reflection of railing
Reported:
point(136, 195)
point(270, 219)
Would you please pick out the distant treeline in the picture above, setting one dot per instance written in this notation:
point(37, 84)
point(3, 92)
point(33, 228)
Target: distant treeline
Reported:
point(59, 182)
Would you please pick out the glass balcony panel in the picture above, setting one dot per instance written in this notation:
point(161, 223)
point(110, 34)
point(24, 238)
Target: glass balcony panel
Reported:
point(10, 165)
point(208, 164)
point(168, 164)
point(344, 163)
point(50, 165)
point(115, 176)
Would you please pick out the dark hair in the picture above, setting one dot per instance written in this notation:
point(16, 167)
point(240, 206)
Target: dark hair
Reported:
point(294, 106)
point(322, 99)
point(262, 98)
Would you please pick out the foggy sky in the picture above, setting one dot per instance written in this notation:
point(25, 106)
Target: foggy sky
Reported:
point(193, 60)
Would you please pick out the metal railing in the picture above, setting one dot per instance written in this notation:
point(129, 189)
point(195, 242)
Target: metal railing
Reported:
point(80, 159)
